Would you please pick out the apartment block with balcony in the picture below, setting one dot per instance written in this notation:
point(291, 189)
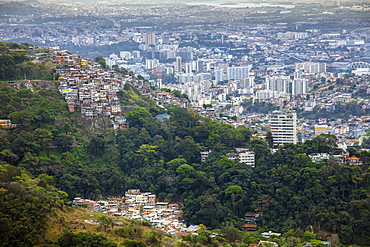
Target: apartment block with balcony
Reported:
point(283, 126)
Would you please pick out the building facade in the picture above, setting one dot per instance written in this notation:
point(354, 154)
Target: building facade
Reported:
point(238, 73)
point(283, 127)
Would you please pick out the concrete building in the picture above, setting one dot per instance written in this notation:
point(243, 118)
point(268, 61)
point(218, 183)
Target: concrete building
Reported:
point(321, 129)
point(243, 155)
point(247, 157)
point(178, 64)
point(219, 74)
point(268, 94)
point(299, 86)
point(311, 68)
point(279, 84)
point(283, 84)
point(151, 63)
point(204, 155)
point(149, 38)
point(292, 35)
point(238, 73)
point(284, 127)
point(126, 55)
point(136, 54)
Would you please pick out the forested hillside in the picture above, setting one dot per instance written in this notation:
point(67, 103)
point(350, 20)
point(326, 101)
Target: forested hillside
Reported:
point(34, 213)
point(289, 190)
point(17, 62)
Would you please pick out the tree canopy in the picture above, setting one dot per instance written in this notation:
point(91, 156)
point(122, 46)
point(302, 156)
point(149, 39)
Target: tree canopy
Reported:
point(286, 188)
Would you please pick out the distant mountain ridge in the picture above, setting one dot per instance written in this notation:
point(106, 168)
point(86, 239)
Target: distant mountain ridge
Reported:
point(17, 8)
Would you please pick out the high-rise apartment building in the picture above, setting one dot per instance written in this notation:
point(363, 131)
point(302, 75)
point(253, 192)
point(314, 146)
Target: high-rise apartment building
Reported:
point(136, 54)
point(151, 63)
point(279, 84)
point(283, 126)
point(311, 68)
point(283, 84)
point(149, 38)
point(178, 64)
point(200, 65)
point(238, 73)
point(292, 35)
point(299, 86)
point(219, 74)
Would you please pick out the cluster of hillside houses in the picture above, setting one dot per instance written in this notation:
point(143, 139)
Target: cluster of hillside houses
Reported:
point(93, 91)
point(141, 206)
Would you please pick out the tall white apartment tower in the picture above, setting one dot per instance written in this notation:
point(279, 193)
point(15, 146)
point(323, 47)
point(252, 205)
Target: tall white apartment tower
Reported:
point(278, 83)
point(238, 73)
point(178, 64)
point(219, 74)
point(283, 126)
point(299, 86)
point(149, 38)
point(311, 68)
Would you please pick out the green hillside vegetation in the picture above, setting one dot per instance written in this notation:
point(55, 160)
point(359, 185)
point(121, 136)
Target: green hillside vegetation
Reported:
point(25, 206)
point(292, 194)
point(131, 97)
point(16, 63)
point(33, 213)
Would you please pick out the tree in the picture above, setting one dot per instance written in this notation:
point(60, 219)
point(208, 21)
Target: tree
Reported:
point(106, 223)
point(8, 156)
point(24, 117)
point(269, 139)
point(230, 232)
point(134, 243)
point(234, 189)
point(175, 163)
point(137, 117)
point(96, 145)
point(317, 243)
point(308, 236)
point(100, 60)
point(185, 169)
point(147, 154)
point(24, 208)
point(120, 70)
point(251, 238)
point(202, 210)
point(63, 141)
point(69, 239)
point(324, 143)
point(43, 136)
point(188, 149)
point(246, 132)
point(7, 66)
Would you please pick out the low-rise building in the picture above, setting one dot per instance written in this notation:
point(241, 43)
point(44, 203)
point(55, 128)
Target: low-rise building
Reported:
point(243, 156)
point(354, 161)
point(6, 123)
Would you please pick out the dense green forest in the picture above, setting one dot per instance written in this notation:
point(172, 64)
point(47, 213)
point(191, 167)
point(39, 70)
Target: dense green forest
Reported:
point(53, 148)
point(34, 213)
point(25, 205)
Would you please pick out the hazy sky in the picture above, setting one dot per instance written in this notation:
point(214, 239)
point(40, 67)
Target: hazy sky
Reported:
point(185, 1)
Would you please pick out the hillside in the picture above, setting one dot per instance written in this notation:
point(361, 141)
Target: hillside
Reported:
point(17, 62)
point(33, 213)
point(49, 157)
point(70, 223)
point(131, 97)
